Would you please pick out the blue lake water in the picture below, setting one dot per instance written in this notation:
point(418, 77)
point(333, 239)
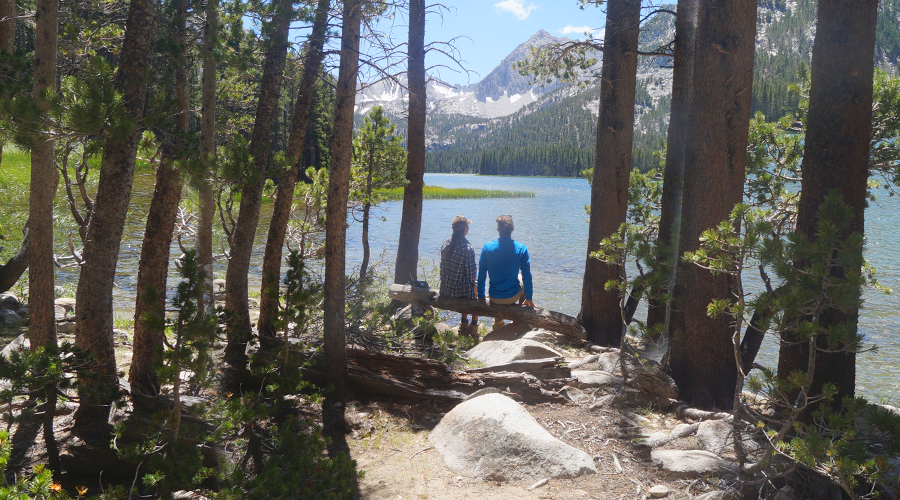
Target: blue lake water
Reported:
point(554, 227)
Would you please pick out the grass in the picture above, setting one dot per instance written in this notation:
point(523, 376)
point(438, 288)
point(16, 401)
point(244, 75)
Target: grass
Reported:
point(442, 193)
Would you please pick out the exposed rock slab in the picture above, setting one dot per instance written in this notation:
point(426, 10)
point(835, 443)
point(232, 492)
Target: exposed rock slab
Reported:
point(493, 437)
point(501, 352)
point(509, 331)
point(691, 463)
point(594, 378)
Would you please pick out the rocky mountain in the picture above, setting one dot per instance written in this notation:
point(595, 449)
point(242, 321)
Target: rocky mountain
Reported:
point(502, 92)
point(504, 125)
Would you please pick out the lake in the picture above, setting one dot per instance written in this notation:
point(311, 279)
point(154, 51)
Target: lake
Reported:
point(554, 227)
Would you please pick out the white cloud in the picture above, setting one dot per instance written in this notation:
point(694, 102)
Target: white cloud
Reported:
point(580, 30)
point(516, 7)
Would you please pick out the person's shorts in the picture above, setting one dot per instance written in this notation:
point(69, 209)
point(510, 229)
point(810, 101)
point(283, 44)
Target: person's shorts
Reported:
point(511, 300)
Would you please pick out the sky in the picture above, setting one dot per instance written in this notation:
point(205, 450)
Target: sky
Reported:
point(483, 32)
point(493, 28)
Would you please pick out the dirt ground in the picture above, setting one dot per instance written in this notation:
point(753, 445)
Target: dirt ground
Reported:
point(391, 446)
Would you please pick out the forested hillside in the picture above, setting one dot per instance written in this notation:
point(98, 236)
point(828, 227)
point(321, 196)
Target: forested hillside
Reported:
point(555, 136)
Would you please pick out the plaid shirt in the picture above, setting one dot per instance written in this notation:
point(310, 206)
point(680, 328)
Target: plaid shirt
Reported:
point(458, 271)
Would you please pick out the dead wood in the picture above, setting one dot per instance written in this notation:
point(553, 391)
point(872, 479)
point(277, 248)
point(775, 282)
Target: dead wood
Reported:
point(422, 378)
point(542, 318)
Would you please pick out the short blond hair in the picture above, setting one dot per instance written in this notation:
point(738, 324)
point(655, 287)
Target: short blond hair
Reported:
point(505, 225)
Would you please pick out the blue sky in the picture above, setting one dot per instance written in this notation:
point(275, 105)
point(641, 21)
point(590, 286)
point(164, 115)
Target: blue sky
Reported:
point(486, 31)
point(495, 27)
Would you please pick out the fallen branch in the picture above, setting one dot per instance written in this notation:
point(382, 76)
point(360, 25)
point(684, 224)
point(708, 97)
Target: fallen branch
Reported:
point(542, 318)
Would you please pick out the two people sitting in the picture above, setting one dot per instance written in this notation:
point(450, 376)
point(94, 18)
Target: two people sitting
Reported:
point(503, 259)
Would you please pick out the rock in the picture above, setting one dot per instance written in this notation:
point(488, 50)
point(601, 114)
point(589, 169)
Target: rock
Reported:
point(443, 328)
point(714, 436)
point(547, 337)
point(659, 491)
point(66, 303)
point(22, 310)
point(9, 301)
point(691, 463)
point(482, 392)
point(66, 327)
point(594, 378)
point(500, 352)
point(493, 437)
point(509, 331)
point(9, 318)
point(20, 342)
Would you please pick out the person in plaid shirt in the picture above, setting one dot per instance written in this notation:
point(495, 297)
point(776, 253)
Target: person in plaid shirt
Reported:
point(458, 271)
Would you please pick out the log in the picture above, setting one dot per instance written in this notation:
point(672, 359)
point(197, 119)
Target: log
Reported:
point(542, 318)
point(548, 368)
point(422, 378)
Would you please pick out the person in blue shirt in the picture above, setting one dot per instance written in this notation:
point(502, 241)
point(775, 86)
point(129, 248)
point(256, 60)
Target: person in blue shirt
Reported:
point(503, 259)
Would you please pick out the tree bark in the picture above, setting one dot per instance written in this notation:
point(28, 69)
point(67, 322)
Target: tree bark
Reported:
point(94, 310)
point(8, 27)
point(543, 318)
point(336, 206)
point(701, 356)
point(239, 329)
point(153, 268)
point(207, 154)
point(836, 155)
point(281, 211)
point(600, 312)
point(367, 207)
point(17, 264)
point(44, 179)
point(407, 264)
point(7, 38)
point(673, 173)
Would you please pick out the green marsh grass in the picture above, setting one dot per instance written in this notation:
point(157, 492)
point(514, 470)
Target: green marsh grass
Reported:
point(442, 193)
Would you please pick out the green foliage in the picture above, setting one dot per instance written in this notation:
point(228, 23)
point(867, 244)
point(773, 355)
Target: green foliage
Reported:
point(287, 452)
point(172, 451)
point(815, 279)
point(379, 160)
point(442, 193)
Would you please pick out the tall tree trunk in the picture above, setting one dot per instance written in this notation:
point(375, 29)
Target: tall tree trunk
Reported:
point(367, 207)
point(44, 180)
point(600, 313)
point(94, 310)
point(8, 27)
point(700, 356)
point(239, 329)
point(673, 174)
point(407, 264)
point(153, 268)
point(7, 36)
point(284, 194)
point(836, 155)
point(207, 154)
point(336, 206)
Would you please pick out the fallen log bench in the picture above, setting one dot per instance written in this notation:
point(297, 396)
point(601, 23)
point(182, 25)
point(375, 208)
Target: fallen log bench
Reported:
point(542, 318)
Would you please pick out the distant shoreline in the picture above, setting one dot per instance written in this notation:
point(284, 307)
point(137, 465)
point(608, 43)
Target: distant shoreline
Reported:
point(442, 193)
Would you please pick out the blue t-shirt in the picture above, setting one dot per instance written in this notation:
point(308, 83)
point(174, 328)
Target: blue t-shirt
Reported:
point(503, 258)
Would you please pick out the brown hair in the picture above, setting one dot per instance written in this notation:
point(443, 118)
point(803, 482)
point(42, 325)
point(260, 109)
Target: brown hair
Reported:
point(505, 225)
